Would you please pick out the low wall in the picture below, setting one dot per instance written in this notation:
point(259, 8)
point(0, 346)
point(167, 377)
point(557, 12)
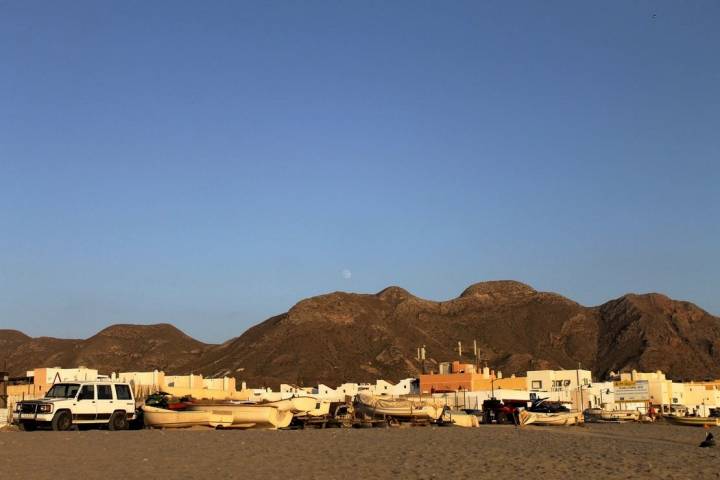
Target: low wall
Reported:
point(206, 393)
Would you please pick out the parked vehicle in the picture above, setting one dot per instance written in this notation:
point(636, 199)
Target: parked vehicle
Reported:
point(505, 411)
point(544, 405)
point(66, 404)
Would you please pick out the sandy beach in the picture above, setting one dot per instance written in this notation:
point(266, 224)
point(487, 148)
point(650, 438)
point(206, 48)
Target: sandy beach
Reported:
point(592, 451)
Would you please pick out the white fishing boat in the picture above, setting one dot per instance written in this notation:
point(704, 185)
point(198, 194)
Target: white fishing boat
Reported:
point(245, 415)
point(400, 408)
point(163, 418)
point(558, 418)
point(694, 421)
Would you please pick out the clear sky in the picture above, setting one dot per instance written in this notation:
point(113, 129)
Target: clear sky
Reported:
point(211, 163)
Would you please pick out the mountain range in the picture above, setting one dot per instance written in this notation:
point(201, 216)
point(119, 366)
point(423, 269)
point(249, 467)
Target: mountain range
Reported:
point(339, 337)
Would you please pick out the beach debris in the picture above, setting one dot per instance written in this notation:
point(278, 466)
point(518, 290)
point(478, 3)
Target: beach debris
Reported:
point(709, 441)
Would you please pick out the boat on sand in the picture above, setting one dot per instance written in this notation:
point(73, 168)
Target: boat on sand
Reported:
point(399, 408)
point(460, 419)
point(556, 418)
point(245, 415)
point(694, 421)
point(600, 415)
point(164, 418)
point(296, 405)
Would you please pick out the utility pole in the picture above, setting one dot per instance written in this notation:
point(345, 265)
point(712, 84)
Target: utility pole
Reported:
point(577, 375)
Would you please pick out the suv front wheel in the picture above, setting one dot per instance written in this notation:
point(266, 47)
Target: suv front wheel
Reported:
point(62, 421)
point(118, 421)
point(28, 426)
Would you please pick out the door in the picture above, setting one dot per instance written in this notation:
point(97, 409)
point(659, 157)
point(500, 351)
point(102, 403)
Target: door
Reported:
point(105, 403)
point(85, 408)
point(123, 397)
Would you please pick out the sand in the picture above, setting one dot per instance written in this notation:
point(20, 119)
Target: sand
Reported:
point(593, 451)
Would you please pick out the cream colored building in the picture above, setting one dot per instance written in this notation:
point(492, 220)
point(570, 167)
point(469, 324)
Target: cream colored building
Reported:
point(700, 397)
point(154, 379)
point(561, 386)
point(226, 384)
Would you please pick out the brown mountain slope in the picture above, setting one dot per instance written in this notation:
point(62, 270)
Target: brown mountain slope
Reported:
point(654, 332)
point(342, 337)
point(116, 348)
point(10, 339)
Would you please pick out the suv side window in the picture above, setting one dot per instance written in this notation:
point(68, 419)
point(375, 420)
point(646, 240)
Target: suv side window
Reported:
point(104, 392)
point(87, 392)
point(122, 392)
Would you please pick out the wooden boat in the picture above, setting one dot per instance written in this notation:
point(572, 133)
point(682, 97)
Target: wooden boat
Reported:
point(599, 415)
point(558, 418)
point(163, 418)
point(694, 421)
point(245, 415)
point(400, 408)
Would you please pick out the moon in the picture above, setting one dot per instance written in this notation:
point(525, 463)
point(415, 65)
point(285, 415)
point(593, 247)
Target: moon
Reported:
point(346, 274)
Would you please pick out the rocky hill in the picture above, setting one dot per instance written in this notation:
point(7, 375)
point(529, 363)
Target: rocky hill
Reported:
point(360, 337)
point(116, 348)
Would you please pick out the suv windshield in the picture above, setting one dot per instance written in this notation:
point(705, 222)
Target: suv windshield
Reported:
point(63, 390)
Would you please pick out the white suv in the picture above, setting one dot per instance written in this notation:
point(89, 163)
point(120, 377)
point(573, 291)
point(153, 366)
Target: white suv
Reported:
point(82, 403)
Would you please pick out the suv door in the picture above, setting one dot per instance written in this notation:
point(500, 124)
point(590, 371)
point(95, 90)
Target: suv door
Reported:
point(105, 401)
point(124, 398)
point(85, 408)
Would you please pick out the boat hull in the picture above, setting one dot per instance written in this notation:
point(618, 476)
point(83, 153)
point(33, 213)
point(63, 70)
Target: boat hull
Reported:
point(162, 418)
point(560, 418)
point(461, 419)
point(598, 415)
point(694, 421)
point(296, 405)
point(248, 416)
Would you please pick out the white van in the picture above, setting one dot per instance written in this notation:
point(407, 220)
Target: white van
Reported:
point(80, 403)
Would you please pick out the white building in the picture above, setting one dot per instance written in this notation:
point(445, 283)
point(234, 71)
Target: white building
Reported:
point(339, 394)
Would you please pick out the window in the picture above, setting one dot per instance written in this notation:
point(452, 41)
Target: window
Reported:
point(122, 392)
point(104, 392)
point(63, 390)
point(87, 392)
point(536, 384)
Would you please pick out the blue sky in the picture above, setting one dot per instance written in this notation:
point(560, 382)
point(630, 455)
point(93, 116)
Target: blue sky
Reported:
point(211, 163)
